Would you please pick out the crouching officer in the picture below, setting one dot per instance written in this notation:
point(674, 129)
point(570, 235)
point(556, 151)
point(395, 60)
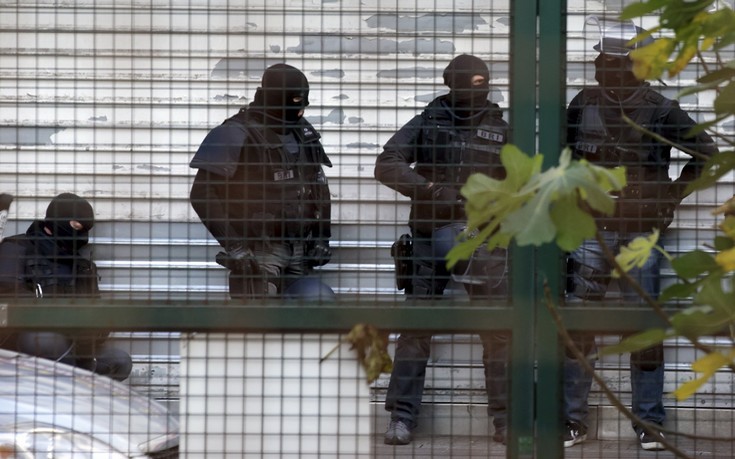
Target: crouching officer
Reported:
point(45, 262)
point(261, 191)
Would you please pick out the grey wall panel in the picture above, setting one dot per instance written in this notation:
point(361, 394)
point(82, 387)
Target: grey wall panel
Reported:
point(110, 99)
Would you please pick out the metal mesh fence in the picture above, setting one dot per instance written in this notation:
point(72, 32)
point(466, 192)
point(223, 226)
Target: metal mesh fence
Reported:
point(240, 232)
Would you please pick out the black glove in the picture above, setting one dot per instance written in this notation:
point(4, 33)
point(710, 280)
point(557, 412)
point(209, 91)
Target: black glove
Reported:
point(318, 253)
point(440, 195)
point(674, 196)
point(446, 201)
point(5, 201)
point(238, 259)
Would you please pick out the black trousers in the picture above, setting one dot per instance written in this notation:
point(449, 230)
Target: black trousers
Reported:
point(429, 279)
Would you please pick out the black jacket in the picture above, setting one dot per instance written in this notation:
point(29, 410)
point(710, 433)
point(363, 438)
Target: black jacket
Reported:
point(250, 187)
point(33, 266)
point(436, 147)
point(596, 131)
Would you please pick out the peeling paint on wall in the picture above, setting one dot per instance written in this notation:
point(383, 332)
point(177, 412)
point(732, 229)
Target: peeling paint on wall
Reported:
point(319, 44)
point(412, 72)
point(239, 67)
point(341, 97)
point(363, 145)
point(28, 135)
point(334, 73)
point(228, 97)
point(276, 48)
point(355, 120)
point(505, 20)
point(152, 167)
point(98, 118)
point(431, 22)
point(495, 96)
point(336, 116)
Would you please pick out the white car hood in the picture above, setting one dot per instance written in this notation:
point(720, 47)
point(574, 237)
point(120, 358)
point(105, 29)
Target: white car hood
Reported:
point(38, 391)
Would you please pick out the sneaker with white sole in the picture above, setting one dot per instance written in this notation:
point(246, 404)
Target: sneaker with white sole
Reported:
point(574, 433)
point(650, 442)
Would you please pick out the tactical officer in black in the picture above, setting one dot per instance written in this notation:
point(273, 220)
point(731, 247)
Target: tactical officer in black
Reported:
point(598, 133)
point(429, 159)
point(261, 191)
point(45, 263)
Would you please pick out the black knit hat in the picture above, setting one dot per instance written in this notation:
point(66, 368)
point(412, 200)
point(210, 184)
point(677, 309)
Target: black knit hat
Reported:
point(68, 206)
point(459, 72)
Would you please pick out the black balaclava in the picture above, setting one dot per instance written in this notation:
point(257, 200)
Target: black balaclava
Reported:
point(62, 209)
point(464, 99)
point(280, 84)
point(615, 74)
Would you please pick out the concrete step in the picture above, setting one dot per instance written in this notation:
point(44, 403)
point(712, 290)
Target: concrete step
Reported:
point(606, 422)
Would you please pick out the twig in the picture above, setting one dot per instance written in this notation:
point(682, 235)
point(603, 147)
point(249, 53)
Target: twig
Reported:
point(664, 140)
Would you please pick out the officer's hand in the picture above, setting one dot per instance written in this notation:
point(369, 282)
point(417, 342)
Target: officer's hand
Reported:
point(445, 196)
point(237, 258)
point(5, 201)
point(318, 253)
point(239, 253)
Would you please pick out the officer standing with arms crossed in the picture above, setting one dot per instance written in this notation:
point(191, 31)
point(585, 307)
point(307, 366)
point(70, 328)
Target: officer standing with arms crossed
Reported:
point(598, 133)
point(456, 135)
point(261, 192)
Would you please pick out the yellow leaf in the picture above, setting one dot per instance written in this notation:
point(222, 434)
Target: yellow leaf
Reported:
point(707, 43)
point(682, 60)
point(728, 226)
point(726, 259)
point(708, 365)
point(649, 62)
point(689, 388)
point(635, 254)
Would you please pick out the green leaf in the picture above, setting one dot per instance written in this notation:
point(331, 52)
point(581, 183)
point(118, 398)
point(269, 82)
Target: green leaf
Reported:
point(697, 88)
point(636, 10)
point(712, 294)
point(637, 342)
point(725, 101)
point(698, 321)
point(519, 167)
point(532, 224)
point(723, 243)
point(636, 253)
point(573, 225)
point(717, 76)
point(701, 127)
point(715, 168)
point(678, 291)
point(693, 264)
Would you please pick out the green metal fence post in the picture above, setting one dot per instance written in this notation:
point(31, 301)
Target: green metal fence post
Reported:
point(523, 124)
point(552, 65)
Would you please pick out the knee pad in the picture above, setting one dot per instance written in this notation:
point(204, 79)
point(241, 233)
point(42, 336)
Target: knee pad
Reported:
point(648, 359)
point(585, 343)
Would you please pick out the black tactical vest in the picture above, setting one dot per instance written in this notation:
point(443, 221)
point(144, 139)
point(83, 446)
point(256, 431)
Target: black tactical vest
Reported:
point(280, 194)
point(606, 140)
point(448, 155)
